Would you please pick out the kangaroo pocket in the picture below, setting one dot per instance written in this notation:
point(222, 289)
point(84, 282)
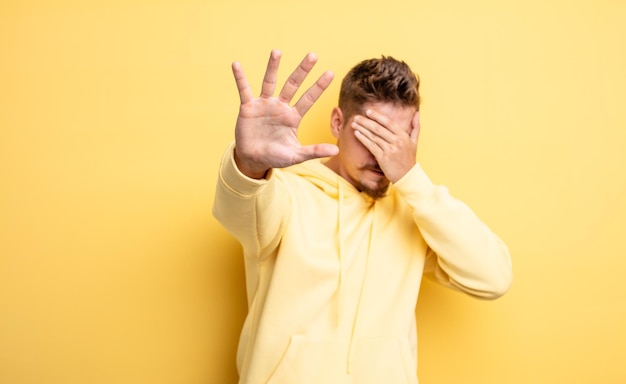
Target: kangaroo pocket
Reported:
point(384, 360)
point(315, 360)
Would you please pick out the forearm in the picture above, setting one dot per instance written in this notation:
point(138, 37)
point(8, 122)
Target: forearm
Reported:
point(241, 204)
point(466, 254)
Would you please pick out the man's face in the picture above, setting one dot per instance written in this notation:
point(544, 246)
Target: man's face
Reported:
point(355, 163)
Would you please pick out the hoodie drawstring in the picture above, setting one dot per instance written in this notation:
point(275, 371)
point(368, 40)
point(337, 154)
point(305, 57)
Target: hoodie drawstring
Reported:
point(353, 334)
point(342, 261)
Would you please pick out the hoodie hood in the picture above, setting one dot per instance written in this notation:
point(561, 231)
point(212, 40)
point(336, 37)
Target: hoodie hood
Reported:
point(316, 172)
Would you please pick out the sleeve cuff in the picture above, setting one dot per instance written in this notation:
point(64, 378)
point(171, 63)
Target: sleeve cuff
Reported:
point(234, 179)
point(416, 187)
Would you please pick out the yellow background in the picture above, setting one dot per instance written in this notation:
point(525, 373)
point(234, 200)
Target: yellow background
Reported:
point(113, 116)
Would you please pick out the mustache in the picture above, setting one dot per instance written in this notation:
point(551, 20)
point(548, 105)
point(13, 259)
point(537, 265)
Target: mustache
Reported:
point(373, 167)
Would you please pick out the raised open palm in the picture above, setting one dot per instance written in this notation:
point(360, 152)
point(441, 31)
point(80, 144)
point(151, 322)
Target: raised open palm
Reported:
point(266, 134)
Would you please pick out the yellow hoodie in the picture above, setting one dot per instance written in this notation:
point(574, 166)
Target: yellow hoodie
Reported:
point(333, 276)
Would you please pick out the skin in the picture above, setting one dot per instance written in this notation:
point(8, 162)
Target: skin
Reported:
point(266, 133)
point(375, 147)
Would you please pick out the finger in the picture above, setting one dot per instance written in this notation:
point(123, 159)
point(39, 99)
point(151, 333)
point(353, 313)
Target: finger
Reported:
point(245, 93)
point(415, 127)
point(368, 143)
point(381, 119)
point(315, 151)
point(269, 81)
point(363, 133)
point(312, 94)
point(294, 81)
point(372, 129)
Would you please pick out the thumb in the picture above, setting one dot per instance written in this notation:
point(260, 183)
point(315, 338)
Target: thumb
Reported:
point(315, 151)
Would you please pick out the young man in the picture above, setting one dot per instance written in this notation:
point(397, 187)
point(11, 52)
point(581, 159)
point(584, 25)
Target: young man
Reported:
point(336, 238)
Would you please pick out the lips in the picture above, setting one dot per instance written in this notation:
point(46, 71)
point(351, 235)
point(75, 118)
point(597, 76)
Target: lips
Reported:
point(376, 169)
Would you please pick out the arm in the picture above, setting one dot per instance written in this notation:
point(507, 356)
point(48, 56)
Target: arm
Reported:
point(464, 253)
point(265, 138)
point(240, 204)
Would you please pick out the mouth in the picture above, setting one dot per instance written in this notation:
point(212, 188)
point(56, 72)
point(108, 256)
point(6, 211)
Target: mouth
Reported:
point(376, 169)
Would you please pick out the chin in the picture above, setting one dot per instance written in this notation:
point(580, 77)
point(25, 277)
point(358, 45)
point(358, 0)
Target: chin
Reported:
point(380, 190)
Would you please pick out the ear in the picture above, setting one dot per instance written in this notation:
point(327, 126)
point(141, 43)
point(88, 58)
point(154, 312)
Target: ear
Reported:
point(336, 122)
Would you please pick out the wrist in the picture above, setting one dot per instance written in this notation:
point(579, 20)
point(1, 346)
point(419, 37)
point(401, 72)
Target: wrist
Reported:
point(400, 172)
point(250, 168)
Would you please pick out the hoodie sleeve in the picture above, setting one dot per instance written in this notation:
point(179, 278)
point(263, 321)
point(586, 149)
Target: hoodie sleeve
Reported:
point(463, 252)
point(242, 205)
